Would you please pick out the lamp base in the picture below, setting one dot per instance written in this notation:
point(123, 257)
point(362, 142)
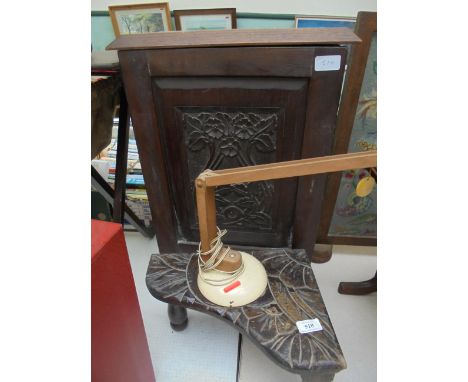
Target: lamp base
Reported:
point(250, 285)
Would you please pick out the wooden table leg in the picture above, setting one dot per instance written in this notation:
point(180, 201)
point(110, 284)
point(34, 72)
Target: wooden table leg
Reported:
point(360, 287)
point(121, 161)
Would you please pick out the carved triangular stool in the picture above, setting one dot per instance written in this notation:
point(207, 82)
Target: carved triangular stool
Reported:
point(270, 322)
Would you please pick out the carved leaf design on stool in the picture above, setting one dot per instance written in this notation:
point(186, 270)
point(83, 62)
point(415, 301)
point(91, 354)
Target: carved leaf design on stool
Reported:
point(292, 295)
point(168, 274)
point(218, 139)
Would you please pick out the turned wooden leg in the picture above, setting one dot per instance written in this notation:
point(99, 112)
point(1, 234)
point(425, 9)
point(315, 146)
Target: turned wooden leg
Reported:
point(359, 287)
point(322, 253)
point(317, 377)
point(177, 317)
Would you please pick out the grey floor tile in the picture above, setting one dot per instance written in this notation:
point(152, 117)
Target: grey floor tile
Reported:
point(204, 352)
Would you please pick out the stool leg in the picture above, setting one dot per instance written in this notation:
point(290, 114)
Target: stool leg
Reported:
point(318, 378)
point(177, 317)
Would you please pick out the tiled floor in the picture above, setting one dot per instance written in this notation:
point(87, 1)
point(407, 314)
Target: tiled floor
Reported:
point(207, 350)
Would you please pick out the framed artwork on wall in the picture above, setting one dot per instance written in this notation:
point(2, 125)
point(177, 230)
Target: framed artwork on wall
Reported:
point(140, 18)
point(347, 218)
point(324, 22)
point(205, 19)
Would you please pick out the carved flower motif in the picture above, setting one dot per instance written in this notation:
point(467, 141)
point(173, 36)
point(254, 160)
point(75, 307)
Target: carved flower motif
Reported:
point(214, 127)
point(244, 127)
point(229, 146)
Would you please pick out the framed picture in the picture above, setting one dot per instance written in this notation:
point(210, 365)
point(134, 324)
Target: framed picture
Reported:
point(347, 218)
point(324, 22)
point(140, 18)
point(205, 19)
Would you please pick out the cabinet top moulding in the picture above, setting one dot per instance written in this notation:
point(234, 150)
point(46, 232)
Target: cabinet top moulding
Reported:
point(235, 37)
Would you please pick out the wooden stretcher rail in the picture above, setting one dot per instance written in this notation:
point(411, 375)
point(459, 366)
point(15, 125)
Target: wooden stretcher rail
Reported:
point(207, 181)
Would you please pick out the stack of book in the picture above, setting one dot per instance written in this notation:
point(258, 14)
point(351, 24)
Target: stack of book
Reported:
point(136, 196)
point(135, 179)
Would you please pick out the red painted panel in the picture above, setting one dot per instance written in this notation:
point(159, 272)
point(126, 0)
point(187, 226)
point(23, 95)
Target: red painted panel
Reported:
point(119, 350)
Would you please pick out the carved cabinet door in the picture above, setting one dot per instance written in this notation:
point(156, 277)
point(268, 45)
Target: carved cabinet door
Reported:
point(227, 122)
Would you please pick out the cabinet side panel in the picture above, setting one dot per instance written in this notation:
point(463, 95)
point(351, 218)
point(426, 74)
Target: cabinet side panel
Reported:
point(322, 106)
point(137, 83)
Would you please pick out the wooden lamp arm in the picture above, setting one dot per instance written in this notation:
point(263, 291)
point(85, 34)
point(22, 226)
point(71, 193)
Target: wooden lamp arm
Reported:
point(206, 182)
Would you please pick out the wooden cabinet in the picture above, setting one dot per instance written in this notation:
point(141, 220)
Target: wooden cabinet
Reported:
point(223, 99)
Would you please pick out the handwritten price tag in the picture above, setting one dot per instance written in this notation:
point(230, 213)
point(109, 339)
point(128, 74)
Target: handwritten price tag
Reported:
point(326, 63)
point(309, 326)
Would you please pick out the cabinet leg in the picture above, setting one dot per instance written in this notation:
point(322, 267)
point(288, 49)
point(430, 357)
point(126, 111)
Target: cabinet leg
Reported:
point(318, 378)
point(177, 317)
point(359, 287)
point(322, 253)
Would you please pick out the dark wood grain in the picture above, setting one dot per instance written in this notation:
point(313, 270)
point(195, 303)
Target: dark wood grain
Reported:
point(324, 93)
point(366, 26)
point(235, 37)
point(145, 122)
point(234, 61)
point(344, 240)
point(358, 288)
point(214, 11)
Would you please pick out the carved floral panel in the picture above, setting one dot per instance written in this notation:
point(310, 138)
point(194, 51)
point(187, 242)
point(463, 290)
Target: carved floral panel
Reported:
point(218, 138)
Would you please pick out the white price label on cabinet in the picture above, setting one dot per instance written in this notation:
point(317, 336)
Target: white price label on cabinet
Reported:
point(326, 63)
point(309, 326)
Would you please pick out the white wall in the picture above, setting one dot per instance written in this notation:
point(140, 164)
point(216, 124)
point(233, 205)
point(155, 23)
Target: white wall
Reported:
point(305, 7)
